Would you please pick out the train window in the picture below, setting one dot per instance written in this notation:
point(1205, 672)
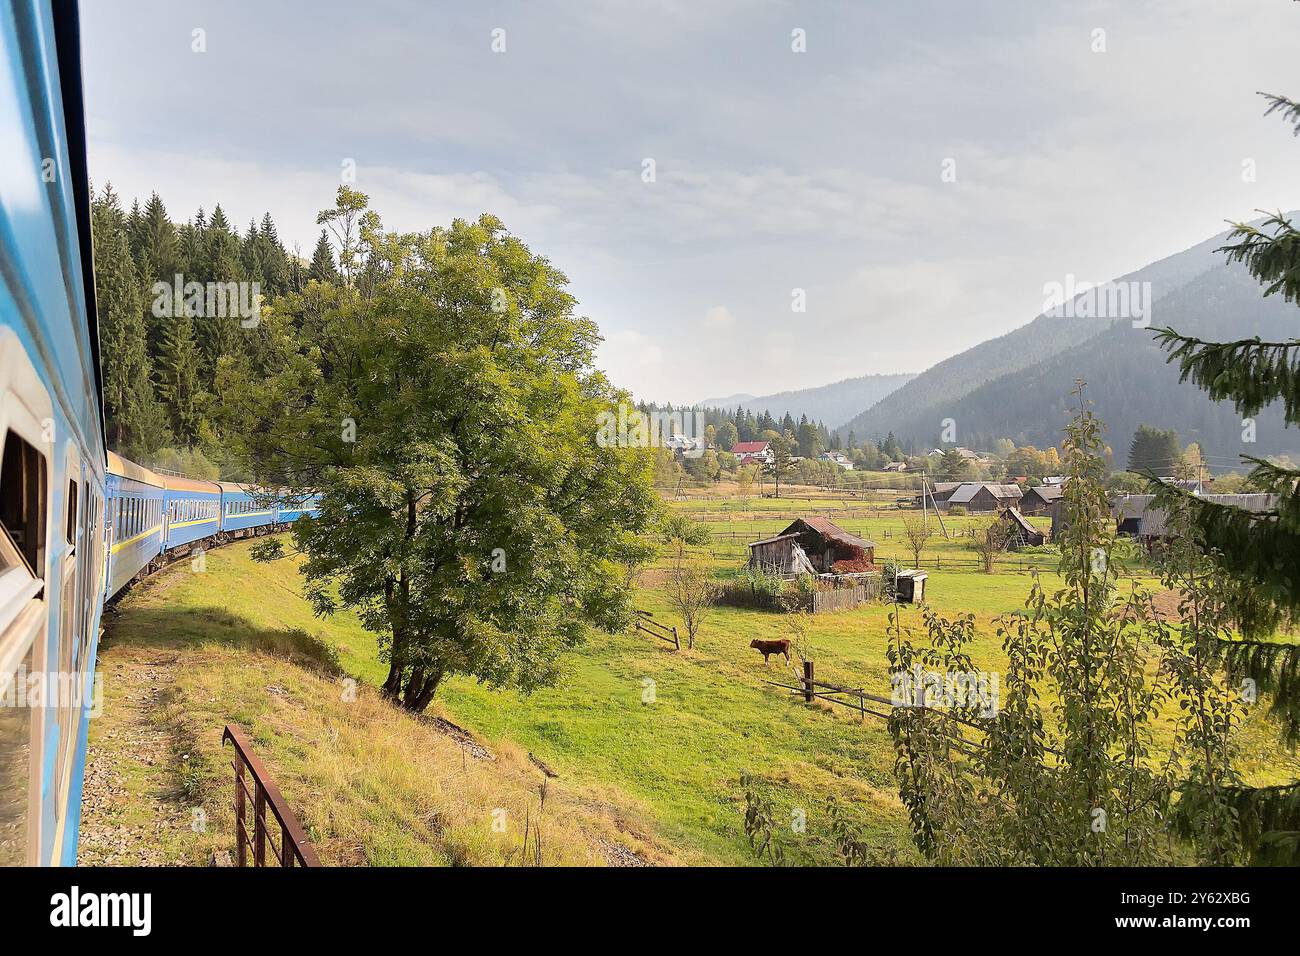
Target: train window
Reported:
point(22, 504)
point(70, 523)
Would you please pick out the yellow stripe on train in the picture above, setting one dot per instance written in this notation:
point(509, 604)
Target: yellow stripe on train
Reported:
point(143, 534)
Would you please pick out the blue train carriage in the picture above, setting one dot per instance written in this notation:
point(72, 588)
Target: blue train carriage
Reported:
point(293, 507)
point(193, 513)
point(135, 522)
point(52, 472)
point(246, 510)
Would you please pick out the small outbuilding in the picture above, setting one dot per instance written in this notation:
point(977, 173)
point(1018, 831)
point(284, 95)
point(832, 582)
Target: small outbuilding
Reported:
point(911, 586)
point(1021, 532)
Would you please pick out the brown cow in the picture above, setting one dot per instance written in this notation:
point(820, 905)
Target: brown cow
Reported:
point(772, 647)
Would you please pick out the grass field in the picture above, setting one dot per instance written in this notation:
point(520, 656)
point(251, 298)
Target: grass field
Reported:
point(657, 775)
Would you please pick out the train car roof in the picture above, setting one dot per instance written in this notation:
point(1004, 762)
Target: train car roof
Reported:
point(237, 487)
point(124, 468)
point(176, 483)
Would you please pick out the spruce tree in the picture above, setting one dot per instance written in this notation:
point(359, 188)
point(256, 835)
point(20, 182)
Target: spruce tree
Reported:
point(135, 422)
point(158, 253)
point(322, 262)
point(1155, 452)
point(1257, 553)
point(179, 379)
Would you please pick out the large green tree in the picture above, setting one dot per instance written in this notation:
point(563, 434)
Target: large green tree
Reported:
point(1058, 763)
point(447, 410)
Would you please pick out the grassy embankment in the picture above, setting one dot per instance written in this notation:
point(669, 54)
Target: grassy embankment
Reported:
point(660, 777)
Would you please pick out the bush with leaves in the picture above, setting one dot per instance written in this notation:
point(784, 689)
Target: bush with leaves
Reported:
point(1066, 772)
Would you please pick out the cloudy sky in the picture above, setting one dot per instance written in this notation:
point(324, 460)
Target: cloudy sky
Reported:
point(1087, 138)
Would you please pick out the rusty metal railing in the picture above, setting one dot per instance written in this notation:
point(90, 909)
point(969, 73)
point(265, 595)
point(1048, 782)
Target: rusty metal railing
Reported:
point(295, 849)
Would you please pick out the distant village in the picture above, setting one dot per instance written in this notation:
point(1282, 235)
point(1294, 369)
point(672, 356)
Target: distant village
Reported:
point(1011, 485)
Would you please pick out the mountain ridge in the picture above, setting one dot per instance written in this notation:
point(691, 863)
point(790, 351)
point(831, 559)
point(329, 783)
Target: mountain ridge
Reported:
point(833, 403)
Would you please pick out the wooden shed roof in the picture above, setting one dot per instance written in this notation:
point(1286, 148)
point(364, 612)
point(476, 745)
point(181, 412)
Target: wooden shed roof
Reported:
point(830, 531)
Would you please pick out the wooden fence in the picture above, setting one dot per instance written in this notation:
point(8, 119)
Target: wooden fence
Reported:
point(646, 623)
point(856, 698)
point(738, 594)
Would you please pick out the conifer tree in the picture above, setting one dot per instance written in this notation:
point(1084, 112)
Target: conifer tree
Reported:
point(1154, 451)
point(179, 379)
point(134, 419)
point(1257, 553)
point(322, 262)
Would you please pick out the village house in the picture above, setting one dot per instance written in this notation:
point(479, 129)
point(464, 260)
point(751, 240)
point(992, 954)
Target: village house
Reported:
point(750, 451)
point(983, 496)
point(811, 546)
point(1036, 501)
point(899, 466)
point(1136, 517)
point(838, 457)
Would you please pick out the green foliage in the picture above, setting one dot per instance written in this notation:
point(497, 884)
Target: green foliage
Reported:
point(761, 581)
point(445, 406)
point(952, 466)
point(676, 526)
point(135, 420)
point(186, 461)
point(760, 826)
point(1065, 772)
point(160, 370)
point(1155, 452)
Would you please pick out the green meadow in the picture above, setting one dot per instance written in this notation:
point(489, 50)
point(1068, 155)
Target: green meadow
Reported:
point(636, 724)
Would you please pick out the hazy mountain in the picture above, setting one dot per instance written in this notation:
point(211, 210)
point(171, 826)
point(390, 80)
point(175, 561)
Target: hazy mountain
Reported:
point(1017, 385)
point(832, 404)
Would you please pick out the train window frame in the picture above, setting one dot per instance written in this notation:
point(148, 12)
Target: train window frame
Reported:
point(70, 632)
point(27, 411)
point(72, 513)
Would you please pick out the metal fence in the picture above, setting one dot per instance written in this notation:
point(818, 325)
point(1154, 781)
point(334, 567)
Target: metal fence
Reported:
point(294, 847)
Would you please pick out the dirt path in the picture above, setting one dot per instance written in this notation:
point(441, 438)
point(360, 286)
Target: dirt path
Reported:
point(130, 793)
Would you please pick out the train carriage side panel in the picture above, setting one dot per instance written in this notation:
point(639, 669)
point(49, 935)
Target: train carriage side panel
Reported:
point(193, 510)
point(291, 509)
point(134, 519)
point(244, 508)
point(52, 475)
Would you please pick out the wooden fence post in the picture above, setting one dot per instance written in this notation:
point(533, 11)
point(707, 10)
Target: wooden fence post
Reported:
point(808, 681)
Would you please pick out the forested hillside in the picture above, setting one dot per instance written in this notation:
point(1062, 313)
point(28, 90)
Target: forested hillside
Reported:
point(915, 411)
point(159, 370)
point(1131, 383)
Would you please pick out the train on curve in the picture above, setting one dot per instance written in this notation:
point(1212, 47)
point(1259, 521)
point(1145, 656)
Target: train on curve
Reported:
point(77, 522)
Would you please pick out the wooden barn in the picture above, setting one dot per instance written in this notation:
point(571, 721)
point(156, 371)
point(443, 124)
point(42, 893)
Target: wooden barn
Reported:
point(1137, 517)
point(810, 546)
point(1021, 532)
point(1037, 501)
point(984, 496)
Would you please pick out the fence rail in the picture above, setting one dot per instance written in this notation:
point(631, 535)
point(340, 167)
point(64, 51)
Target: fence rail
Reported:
point(295, 849)
point(645, 622)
